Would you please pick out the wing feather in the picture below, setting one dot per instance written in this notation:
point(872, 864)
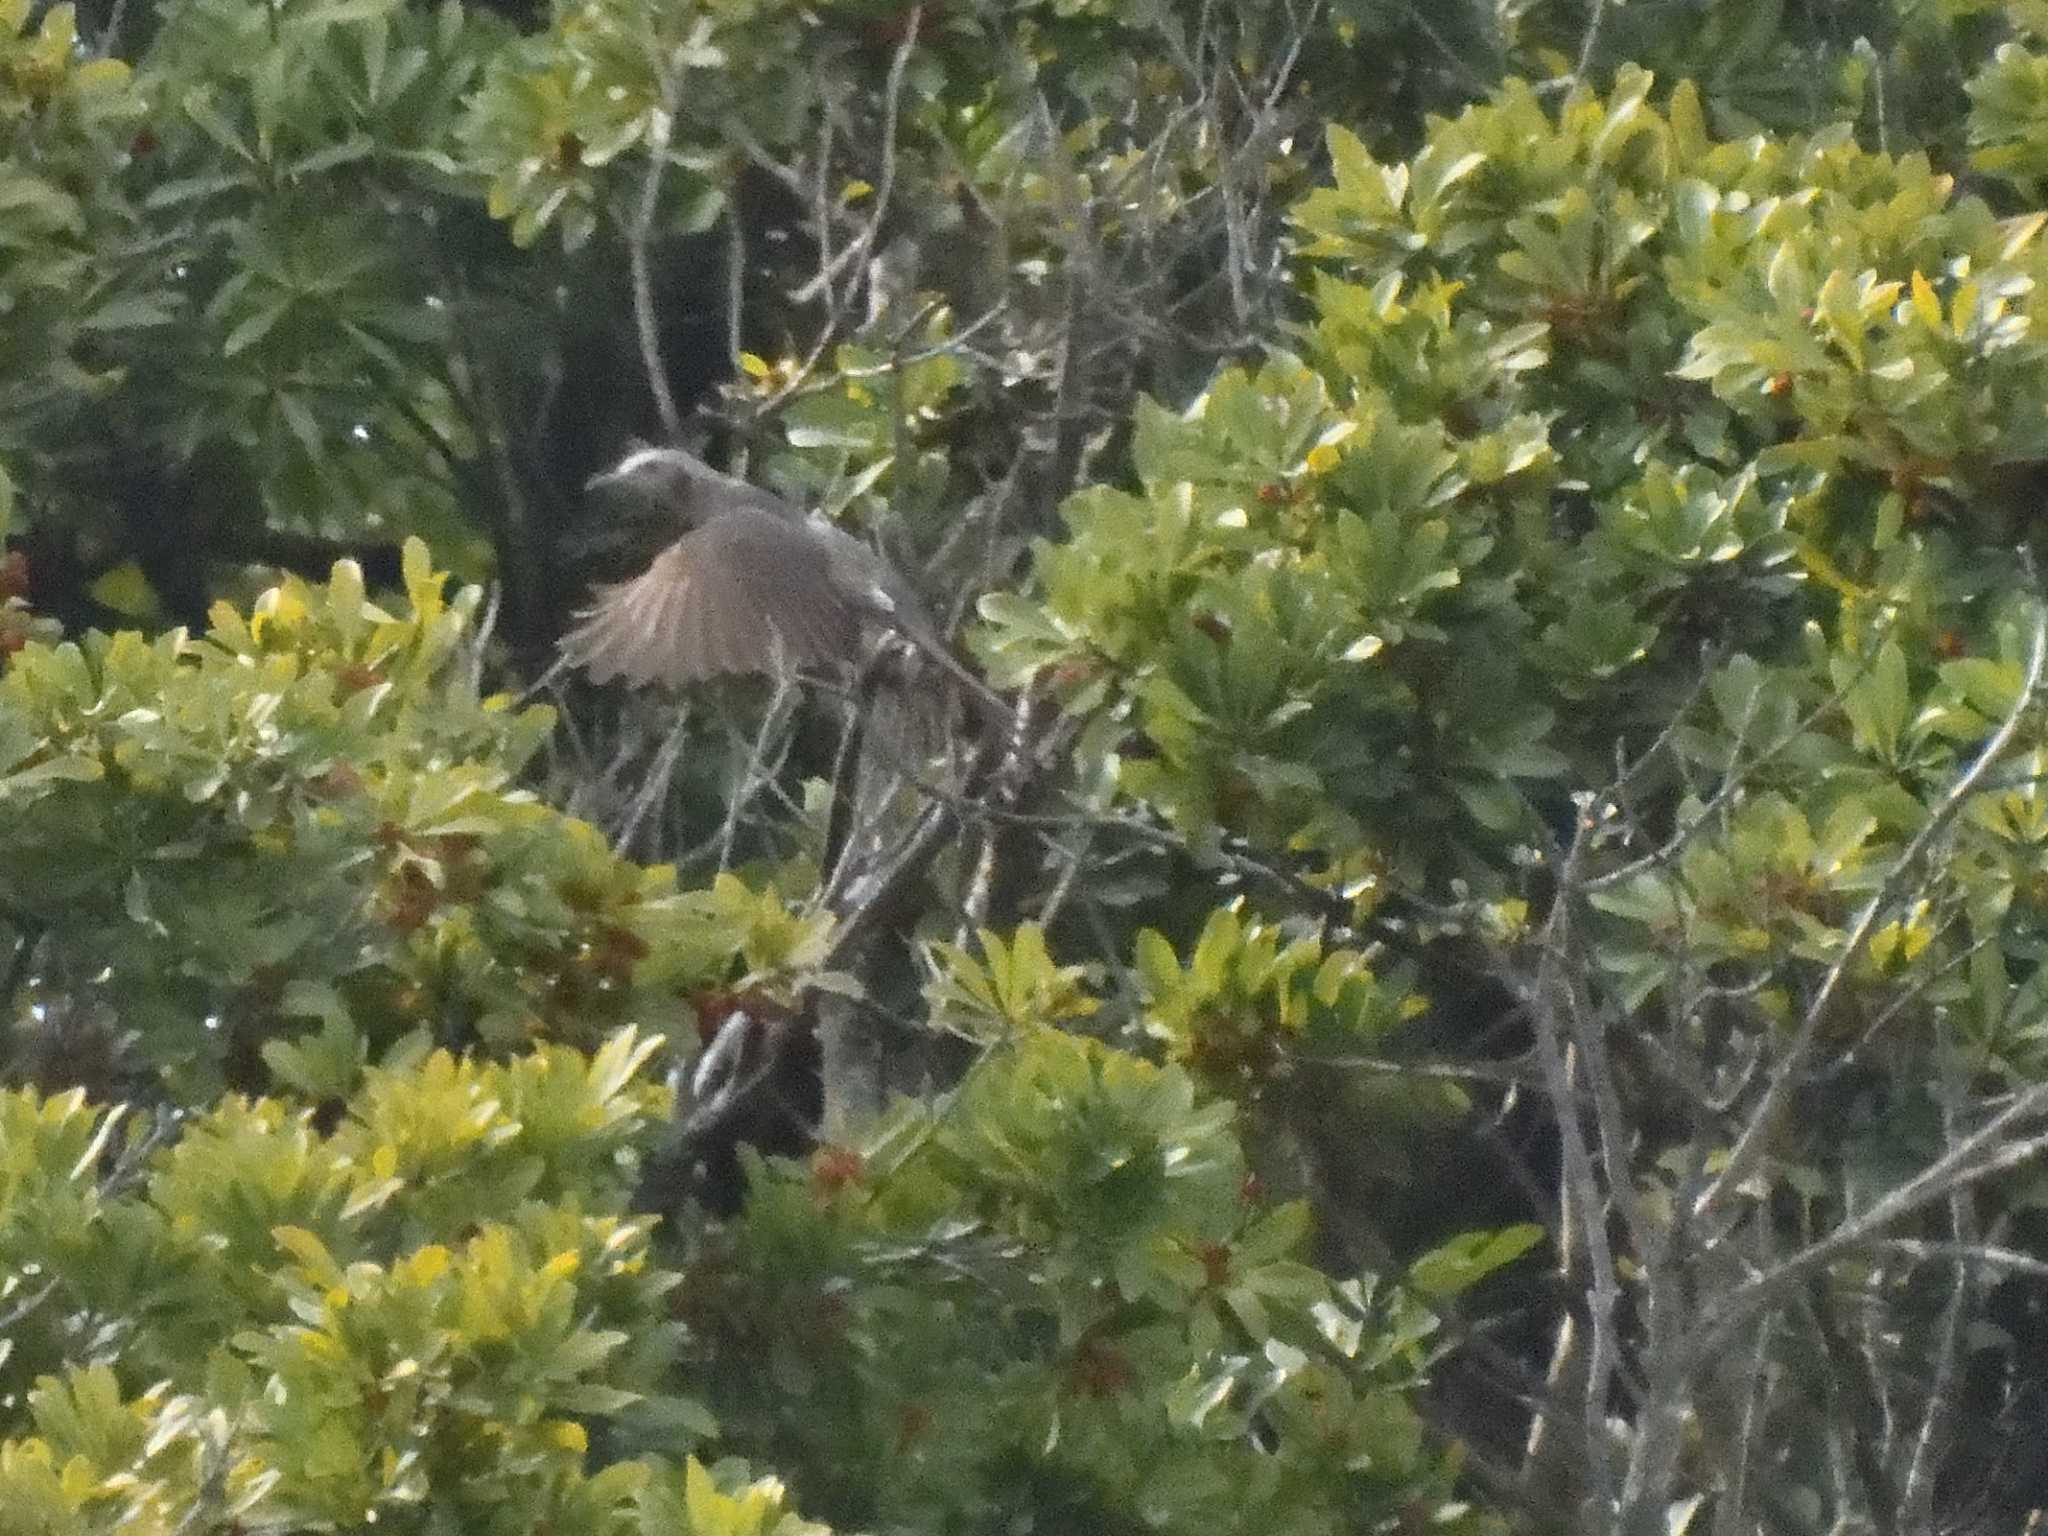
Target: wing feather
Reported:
point(630, 629)
point(739, 594)
point(789, 582)
point(666, 620)
point(699, 647)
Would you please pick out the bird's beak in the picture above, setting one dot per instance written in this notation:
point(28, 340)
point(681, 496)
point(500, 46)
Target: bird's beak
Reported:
point(601, 479)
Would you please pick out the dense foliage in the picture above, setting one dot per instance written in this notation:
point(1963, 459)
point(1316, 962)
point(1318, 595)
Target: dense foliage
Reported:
point(1493, 980)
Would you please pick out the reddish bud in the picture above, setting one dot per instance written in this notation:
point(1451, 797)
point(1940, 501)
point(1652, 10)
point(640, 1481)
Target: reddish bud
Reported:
point(1071, 674)
point(1215, 1259)
point(14, 579)
point(715, 1005)
point(337, 782)
point(713, 1008)
point(411, 899)
point(1099, 1369)
point(833, 1168)
point(911, 1422)
point(618, 950)
point(626, 942)
point(355, 677)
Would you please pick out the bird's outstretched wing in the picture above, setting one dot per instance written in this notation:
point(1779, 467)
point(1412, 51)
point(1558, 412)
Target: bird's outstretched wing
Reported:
point(744, 593)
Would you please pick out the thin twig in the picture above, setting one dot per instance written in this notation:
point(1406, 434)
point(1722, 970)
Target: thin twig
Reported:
point(1972, 1160)
point(1583, 1194)
point(637, 241)
point(757, 754)
point(1589, 42)
point(885, 181)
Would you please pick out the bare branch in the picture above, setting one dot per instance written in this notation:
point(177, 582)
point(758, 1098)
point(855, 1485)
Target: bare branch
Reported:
point(1590, 41)
point(885, 183)
point(638, 237)
point(1743, 1158)
point(1976, 1157)
point(1584, 1199)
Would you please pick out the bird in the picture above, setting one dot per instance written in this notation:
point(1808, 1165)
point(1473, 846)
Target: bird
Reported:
point(753, 586)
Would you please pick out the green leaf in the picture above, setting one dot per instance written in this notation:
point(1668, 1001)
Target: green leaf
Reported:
point(133, 312)
point(255, 327)
point(126, 590)
point(1465, 1260)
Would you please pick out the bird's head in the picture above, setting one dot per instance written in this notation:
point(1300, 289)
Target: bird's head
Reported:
point(665, 475)
point(678, 483)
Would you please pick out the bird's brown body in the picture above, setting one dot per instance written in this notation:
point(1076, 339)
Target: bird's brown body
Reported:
point(745, 592)
point(754, 586)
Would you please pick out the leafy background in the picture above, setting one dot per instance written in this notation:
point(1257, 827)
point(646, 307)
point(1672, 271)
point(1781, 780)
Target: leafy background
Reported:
point(1496, 984)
